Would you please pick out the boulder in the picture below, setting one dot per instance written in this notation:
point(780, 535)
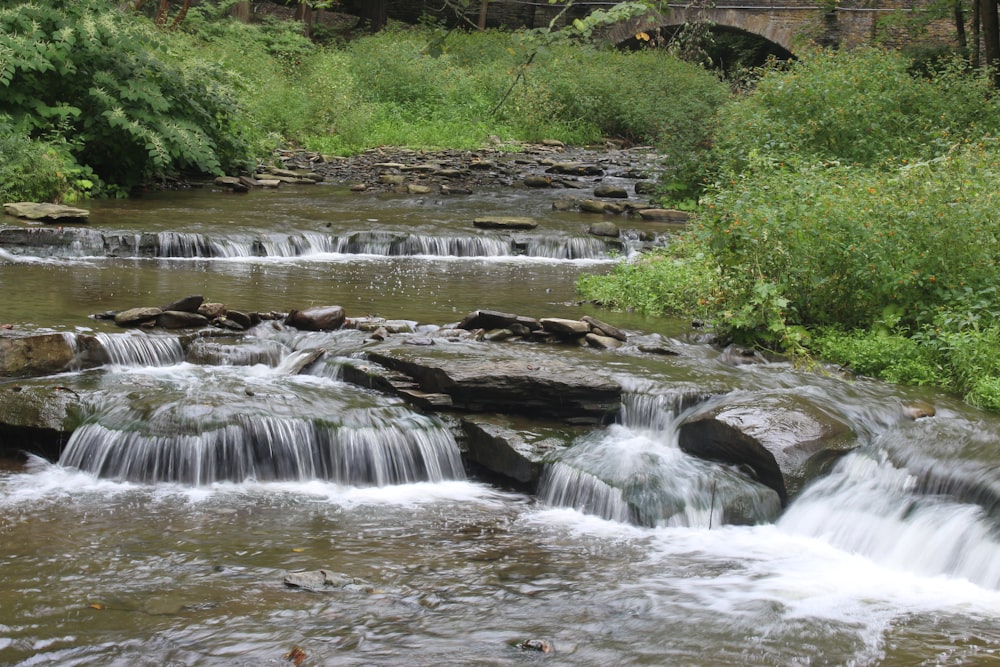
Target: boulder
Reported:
point(46, 212)
point(513, 448)
point(602, 342)
point(179, 319)
point(576, 169)
point(565, 327)
point(135, 317)
point(494, 319)
point(537, 181)
point(786, 440)
point(504, 222)
point(189, 304)
point(597, 206)
point(606, 228)
point(604, 329)
point(37, 417)
point(324, 318)
point(610, 192)
point(551, 389)
point(39, 354)
point(664, 214)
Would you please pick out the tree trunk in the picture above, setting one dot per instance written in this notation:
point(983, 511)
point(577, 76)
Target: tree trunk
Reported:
point(959, 15)
point(378, 14)
point(483, 11)
point(991, 37)
point(241, 11)
point(304, 13)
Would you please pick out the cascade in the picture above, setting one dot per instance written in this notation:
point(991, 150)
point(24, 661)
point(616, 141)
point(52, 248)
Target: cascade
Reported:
point(141, 349)
point(636, 471)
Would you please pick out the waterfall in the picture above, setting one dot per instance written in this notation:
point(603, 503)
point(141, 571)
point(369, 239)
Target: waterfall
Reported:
point(869, 507)
point(141, 349)
point(192, 245)
point(639, 465)
point(269, 449)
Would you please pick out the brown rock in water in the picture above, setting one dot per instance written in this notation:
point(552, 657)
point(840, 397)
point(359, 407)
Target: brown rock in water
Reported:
point(494, 319)
point(42, 354)
point(604, 328)
point(565, 327)
point(325, 318)
point(504, 222)
point(46, 212)
point(179, 319)
point(135, 317)
point(189, 304)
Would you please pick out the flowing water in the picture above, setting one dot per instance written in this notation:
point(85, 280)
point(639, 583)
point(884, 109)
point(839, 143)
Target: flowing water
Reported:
point(164, 533)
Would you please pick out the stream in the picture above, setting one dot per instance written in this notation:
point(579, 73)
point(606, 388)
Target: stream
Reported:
point(165, 532)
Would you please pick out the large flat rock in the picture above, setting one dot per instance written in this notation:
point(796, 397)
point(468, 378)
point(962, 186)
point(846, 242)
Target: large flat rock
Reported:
point(45, 212)
point(551, 389)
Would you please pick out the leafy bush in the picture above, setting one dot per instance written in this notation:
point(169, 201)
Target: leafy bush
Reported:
point(36, 170)
point(860, 107)
point(108, 85)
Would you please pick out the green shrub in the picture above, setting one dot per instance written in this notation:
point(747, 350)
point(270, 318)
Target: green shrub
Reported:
point(108, 85)
point(36, 170)
point(861, 107)
point(891, 357)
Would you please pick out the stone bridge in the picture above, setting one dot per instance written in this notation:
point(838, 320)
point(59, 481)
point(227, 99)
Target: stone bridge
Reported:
point(794, 24)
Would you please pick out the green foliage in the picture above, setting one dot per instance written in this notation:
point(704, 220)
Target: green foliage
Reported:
point(675, 281)
point(892, 357)
point(109, 87)
point(855, 216)
point(860, 107)
point(37, 170)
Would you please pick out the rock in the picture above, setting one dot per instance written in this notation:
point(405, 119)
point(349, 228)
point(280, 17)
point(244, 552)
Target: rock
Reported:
point(604, 328)
point(232, 183)
point(596, 206)
point(494, 319)
point(602, 342)
point(646, 188)
point(37, 417)
point(46, 212)
point(918, 410)
point(576, 169)
point(243, 320)
point(537, 181)
point(664, 214)
point(540, 645)
point(611, 192)
point(552, 389)
point(515, 449)
point(734, 355)
point(179, 319)
point(211, 310)
point(565, 205)
point(325, 580)
point(606, 228)
point(564, 327)
point(327, 318)
point(504, 222)
point(414, 189)
point(39, 354)
point(189, 304)
point(658, 348)
point(392, 179)
point(785, 439)
point(135, 317)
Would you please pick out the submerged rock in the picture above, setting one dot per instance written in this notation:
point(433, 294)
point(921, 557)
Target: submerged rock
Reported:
point(327, 581)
